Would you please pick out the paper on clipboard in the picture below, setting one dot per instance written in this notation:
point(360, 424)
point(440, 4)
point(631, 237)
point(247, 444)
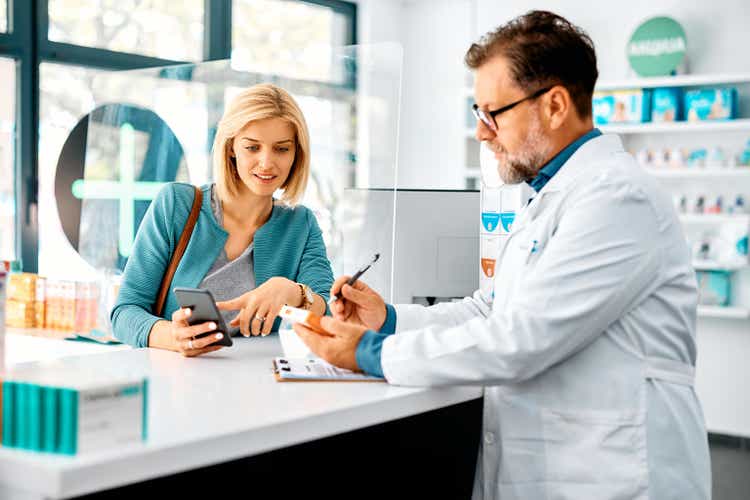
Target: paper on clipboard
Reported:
point(316, 370)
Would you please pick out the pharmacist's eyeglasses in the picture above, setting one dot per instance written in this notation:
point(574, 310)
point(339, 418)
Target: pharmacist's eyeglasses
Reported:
point(488, 117)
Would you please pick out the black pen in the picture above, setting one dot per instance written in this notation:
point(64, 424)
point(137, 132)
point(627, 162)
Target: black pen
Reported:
point(354, 278)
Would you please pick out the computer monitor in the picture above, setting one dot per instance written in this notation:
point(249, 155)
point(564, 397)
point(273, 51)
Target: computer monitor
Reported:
point(431, 256)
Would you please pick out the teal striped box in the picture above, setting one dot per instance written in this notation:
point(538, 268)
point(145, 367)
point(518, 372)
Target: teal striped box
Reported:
point(82, 415)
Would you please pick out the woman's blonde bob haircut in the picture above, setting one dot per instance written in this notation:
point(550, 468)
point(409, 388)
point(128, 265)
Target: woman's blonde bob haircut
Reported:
point(258, 103)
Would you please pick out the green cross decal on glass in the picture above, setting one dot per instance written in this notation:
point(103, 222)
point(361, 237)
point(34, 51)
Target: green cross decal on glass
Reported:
point(126, 190)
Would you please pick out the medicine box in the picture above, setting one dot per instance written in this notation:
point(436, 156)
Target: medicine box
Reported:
point(714, 288)
point(622, 106)
point(666, 105)
point(63, 410)
point(711, 104)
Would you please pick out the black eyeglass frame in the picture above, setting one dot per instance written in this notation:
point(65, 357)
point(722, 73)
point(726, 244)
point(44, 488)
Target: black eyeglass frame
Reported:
point(488, 117)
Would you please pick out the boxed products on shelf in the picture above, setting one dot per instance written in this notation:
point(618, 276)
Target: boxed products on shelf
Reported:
point(710, 204)
point(711, 104)
point(622, 106)
point(714, 288)
point(77, 307)
point(666, 105)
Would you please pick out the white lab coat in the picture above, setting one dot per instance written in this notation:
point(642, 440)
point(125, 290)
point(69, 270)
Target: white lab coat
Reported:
point(587, 351)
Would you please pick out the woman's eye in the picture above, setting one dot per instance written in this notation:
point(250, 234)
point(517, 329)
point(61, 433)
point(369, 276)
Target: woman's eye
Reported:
point(252, 148)
point(283, 150)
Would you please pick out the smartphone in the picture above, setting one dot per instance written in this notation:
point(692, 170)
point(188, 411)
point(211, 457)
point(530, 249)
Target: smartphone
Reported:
point(203, 307)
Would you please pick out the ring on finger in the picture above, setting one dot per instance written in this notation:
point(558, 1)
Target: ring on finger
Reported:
point(190, 344)
point(262, 320)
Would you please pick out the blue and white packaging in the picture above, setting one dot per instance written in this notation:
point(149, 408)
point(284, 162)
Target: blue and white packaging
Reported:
point(711, 104)
point(622, 106)
point(58, 407)
point(666, 105)
point(714, 288)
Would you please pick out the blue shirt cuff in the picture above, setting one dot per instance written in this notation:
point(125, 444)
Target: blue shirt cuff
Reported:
point(389, 326)
point(368, 353)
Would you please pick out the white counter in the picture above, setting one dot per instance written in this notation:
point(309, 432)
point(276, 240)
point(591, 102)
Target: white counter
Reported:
point(211, 409)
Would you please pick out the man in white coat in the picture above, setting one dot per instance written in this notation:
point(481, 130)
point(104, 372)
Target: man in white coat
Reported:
point(587, 350)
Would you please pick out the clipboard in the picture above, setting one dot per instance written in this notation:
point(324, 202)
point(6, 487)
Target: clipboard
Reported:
point(316, 370)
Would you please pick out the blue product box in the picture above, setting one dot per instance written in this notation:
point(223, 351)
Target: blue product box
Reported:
point(666, 105)
point(714, 288)
point(711, 104)
point(622, 106)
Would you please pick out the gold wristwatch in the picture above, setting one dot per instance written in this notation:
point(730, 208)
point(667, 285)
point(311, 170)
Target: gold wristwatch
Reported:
point(307, 296)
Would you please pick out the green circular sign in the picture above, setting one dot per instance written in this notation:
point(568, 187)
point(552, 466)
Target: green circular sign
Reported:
point(657, 47)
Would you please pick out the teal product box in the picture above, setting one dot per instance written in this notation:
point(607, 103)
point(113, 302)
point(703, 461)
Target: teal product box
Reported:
point(714, 288)
point(622, 106)
point(711, 104)
point(77, 414)
point(666, 105)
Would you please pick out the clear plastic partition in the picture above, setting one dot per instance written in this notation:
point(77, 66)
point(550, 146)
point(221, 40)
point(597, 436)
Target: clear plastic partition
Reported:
point(153, 126)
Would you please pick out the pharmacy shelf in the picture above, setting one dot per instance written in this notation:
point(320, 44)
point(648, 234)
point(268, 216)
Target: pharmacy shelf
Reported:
point(673, 127)
point(713, 218)
point(711, 265)
point(675, 81)
point(724, 312)
point(701, 172)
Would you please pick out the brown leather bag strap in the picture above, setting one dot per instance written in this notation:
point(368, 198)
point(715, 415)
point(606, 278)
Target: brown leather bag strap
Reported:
point(182, 244)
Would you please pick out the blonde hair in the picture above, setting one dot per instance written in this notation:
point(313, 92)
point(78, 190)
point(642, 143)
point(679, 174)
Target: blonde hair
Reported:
point(260, 102)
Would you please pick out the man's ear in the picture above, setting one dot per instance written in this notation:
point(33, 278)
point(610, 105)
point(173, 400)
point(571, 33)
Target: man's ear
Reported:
point(558, 106)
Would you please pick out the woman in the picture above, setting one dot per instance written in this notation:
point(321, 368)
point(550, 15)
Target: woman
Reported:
point(254, 253)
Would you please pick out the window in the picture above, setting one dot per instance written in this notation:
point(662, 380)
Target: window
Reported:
point(287, 38)
point(77, 40)
point(3, 16)
point(65, 97)
point(7, 142)
point(159, 28)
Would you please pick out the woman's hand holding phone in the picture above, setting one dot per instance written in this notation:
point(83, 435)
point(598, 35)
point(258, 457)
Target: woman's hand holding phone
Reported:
point(183, 335)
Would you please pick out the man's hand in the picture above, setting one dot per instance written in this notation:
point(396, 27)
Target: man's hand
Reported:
point(358, 304)
point(340, 349)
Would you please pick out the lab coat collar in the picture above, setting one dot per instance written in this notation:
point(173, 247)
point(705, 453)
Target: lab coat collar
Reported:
point(587, 158)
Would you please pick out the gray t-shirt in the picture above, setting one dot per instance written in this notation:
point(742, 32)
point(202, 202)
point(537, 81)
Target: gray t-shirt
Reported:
point(228, 279)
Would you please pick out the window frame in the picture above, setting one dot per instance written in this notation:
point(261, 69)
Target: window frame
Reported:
point(26, 41)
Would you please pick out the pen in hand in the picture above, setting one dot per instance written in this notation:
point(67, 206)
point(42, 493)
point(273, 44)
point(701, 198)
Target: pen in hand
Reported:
point(354, 278)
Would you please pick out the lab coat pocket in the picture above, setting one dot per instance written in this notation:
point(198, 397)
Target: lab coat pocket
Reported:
point(596, 452)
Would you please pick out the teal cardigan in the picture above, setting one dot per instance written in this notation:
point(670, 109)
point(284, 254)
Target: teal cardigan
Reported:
point(289, 244)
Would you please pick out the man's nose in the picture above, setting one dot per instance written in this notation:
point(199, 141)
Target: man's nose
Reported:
point(483, 132)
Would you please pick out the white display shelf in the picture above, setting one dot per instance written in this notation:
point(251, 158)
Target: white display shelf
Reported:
point(713, 218)
point(702, 172)
point(675, 81)
point(672, 127)
point(723, 312)
point(711, 265)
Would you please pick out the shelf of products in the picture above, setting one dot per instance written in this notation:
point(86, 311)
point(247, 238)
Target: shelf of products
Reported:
point(675, 81)
point(672, 127)
point(723, 312)
point(711, 265)
point(712, 218)
point(703, 172)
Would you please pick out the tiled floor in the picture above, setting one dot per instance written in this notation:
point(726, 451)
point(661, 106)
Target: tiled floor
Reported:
point(730, 465)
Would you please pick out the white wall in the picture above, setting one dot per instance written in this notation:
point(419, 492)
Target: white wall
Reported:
point(434, 35)
point(717, 31)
